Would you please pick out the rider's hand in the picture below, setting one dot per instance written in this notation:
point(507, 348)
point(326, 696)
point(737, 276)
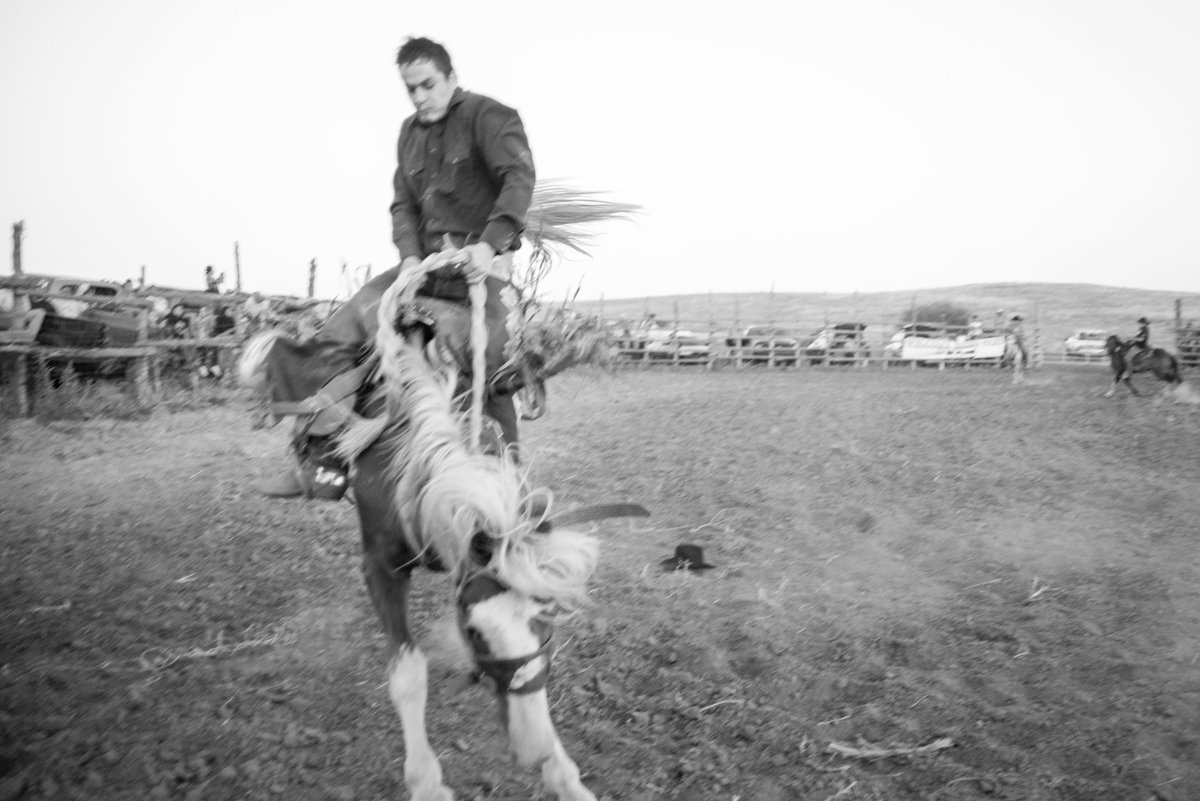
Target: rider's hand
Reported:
point(478, 264)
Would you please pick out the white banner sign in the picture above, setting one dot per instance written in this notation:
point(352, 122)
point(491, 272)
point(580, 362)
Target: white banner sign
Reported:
point(937, 349)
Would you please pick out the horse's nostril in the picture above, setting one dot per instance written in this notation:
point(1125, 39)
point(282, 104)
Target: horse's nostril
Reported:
point(475, 638)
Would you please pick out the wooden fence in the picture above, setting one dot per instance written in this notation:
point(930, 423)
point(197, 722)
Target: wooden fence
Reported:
point(143, 364)
point(710, 344)
point(704, 344)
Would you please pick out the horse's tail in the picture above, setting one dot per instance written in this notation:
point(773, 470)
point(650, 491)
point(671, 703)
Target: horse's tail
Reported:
point(1174, 371)
point(252, 366)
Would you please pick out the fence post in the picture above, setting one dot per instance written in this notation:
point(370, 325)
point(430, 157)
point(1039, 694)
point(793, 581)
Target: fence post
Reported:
point(18, 234)
point(21, 383)
point(1178, 325)
point(737, 332)
point(237, 269)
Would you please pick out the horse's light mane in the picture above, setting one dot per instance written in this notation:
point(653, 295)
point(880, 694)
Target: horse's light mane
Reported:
point(445, 492)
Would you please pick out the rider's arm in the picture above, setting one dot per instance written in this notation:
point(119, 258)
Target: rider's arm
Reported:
point(500, 137)
point(406, 215)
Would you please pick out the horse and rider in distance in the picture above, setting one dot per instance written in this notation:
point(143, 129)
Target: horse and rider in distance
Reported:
point(1137, 356)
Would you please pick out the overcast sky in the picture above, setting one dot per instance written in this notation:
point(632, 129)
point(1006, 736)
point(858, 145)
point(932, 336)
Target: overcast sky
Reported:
point(801, 145)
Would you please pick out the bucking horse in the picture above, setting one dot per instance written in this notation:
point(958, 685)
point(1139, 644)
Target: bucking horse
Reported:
point(1162, 364)
point(430, 495)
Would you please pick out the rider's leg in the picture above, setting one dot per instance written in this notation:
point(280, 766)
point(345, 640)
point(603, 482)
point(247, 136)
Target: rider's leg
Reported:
point(335, 349)
point(502, 409)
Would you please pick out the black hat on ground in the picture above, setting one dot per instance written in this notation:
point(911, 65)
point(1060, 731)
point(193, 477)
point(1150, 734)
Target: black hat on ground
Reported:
point(687, 557)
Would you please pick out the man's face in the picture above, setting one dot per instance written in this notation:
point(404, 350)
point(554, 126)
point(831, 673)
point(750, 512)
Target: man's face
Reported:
point(429, 89)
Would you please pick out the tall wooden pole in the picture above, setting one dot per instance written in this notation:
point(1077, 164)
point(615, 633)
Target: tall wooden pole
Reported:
point(312, 278)
point(18, 233)
point(142, 278)
point(237, 269)
point(1178, 322)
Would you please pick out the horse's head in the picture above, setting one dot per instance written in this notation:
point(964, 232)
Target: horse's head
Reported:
point(1114, 344)
point(507, 626)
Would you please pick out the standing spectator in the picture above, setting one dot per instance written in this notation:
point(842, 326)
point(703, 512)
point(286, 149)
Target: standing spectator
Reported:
point(177, 322)
point(212, 282)
point(210, 357)
point(975, 327)
point(1016, 329)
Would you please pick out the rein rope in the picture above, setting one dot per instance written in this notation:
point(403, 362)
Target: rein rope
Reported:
point(479, 335)
point(404, 289)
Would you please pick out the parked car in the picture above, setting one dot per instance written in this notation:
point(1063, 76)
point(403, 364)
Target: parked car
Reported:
point(85, 313)
point(634, 340)
point(767, 344)
point(843, 343)
point(1085, 343)
point(686, 346)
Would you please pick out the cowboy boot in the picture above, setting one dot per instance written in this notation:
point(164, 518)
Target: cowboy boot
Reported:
point(322, 474)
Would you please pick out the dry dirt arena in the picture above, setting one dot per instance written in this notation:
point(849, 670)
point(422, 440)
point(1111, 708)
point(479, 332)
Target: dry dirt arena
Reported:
point(929, 585)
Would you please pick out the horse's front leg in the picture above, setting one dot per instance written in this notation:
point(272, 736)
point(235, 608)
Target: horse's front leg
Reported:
point(1128, 379)
point(407, 684)
point(386, 568)
point(535, 742)
point(560, 775)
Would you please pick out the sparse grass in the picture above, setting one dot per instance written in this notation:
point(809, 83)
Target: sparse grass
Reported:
point(64, 392)
point(901, 557)
point(59, 392)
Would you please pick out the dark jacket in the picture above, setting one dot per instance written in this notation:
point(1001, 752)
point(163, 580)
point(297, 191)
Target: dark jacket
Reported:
point(470, 175)
point(1141, 339)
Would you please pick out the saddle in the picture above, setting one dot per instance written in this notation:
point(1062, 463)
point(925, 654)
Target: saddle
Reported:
point(323, 404)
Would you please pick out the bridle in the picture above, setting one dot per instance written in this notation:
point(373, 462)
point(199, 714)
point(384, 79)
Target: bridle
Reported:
point(501, 672)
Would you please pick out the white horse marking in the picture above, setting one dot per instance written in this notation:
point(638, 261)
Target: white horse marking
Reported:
point(407, 685)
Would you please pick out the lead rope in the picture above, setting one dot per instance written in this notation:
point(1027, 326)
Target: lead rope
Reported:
point(404, 288)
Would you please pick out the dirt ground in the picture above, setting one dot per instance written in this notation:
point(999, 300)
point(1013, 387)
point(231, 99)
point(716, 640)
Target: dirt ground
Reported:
point(929, 585)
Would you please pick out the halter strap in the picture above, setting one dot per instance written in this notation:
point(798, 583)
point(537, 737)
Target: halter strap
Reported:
point(502, 671)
